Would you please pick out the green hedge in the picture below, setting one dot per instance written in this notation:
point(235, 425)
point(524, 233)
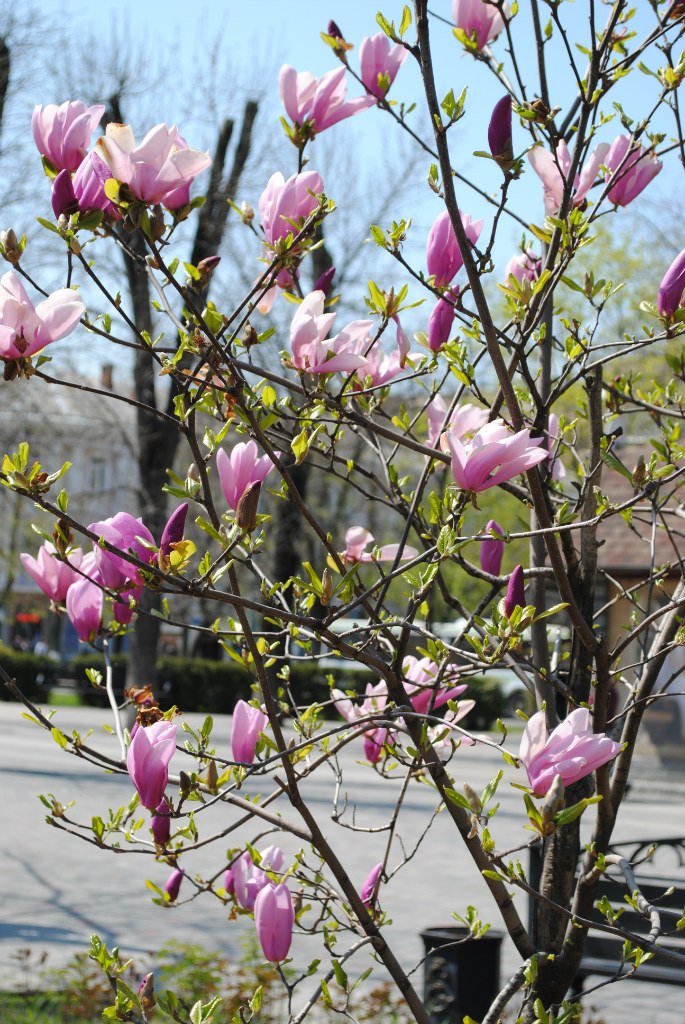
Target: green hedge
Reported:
point(213, 687)
point(34, 674)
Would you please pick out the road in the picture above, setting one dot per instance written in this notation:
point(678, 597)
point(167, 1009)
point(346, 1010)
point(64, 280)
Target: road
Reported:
point(58, 889)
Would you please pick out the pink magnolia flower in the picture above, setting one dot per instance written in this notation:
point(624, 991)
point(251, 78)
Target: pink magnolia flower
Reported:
point(441, 736)
point(523, 266)
point(572, 751)
point(630, 169)
point(443, 257)
point(478, 19)
point(553, 172)
point(285, 204)
point(248, 880)
point(239, 470)
point(441, 320)
point(53, 576)
point(380, 367)
point(492, 548)
point(158, 170)
point(129, 534)
point(318, 102)
point(357, 540)
point(274, 917)
point(369, 890)
point(148, 759)
point(374, 702)
point(25, 329)
point(248, 722)
point(173, 886)
point(465, 419)
point(89, 189)
point(84, 603)
point(493, 455)
point(312, 351)
point(420, 682)
point(374, 742)
point(379, 63)
point(672, 287)
point(62, 134)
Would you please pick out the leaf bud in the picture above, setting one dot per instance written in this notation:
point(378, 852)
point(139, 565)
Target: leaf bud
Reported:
point(246, 512)
point(11, 249)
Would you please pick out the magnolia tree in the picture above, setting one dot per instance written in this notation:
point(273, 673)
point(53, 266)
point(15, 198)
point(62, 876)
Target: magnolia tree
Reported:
point(530, 417)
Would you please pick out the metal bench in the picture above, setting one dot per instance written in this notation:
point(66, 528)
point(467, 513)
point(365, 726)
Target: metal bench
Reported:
point(661, 879)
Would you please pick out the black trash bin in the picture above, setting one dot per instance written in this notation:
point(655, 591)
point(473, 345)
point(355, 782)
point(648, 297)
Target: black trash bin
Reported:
point(461, 977)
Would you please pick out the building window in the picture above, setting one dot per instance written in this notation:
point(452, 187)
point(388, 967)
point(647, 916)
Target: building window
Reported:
point(98, 476)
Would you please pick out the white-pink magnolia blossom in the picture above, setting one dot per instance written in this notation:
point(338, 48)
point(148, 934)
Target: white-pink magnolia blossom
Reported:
point(553, 169)
point(25, 329)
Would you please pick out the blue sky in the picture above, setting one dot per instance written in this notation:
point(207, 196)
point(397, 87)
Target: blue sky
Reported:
point(359, 156)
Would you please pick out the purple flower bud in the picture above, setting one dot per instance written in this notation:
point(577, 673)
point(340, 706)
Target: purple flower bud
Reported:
point(441, 320)
point(229, 881)
point(333, 31)
point(161, 823)
point(500, 132)
point(672, 287)
point(323, 283)
point(146, 991)
point(491, 549)
point(63, 195)
point(174, 884)
point(173, 531)
point(369, 890)
point(274, 918)
point(516, 594)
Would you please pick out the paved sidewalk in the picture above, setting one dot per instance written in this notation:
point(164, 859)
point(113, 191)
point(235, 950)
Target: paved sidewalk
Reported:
point(58, 889)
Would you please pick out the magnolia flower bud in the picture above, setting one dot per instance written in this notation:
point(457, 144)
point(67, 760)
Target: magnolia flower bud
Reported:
point(246, 512)
point(326, 588)
point(500, 134)
point(146, 992)
point(11, 249)
point(516, 595)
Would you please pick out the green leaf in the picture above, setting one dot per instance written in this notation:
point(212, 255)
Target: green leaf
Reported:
point(406, 20)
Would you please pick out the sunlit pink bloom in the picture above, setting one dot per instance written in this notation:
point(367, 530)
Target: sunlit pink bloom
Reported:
point(357, 540)
point(465, 419)
point(553, 172)
point(25, 329)
point(378, 59)
point(672, 287)
point(283, 205)
point(173, 886)
point(374, 701)
point(321, 102)
point(441, 320)
point(369, 890)
point(125, 532)
point(444, 735)
point(479, 19)
point(380, 366)
point(248, 722)
point(492, 549)
point(572, 751)
point(84, 603)
point(158, 169)
point(312, 351)
point(148, 759)
point(493, 455)
point(62, 133)
point(420, 675)
point(239, 470)
point(53, 576)
point(631, 175)
point(443, 257)
point(523, 266)
point(374, 743)
point(274, 917)
point(248, 880)
point(89, 189)
point(556, 466)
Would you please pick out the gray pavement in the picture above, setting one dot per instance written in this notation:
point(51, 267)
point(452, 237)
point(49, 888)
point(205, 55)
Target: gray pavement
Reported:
point(58, 889)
